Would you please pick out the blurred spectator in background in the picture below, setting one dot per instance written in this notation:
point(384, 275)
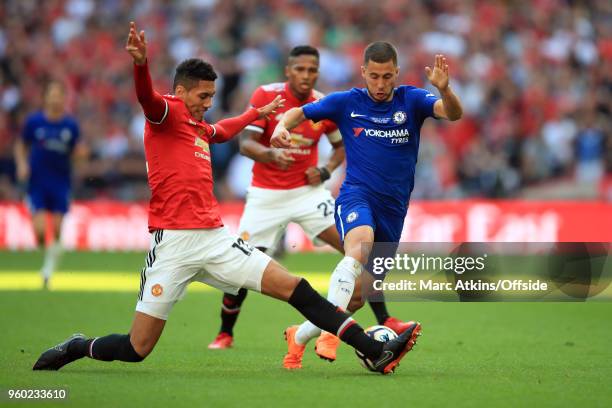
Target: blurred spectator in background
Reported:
point(535, 78)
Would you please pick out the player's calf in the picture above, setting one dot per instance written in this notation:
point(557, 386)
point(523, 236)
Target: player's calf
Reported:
point(356, 301)
point(145, 332)
point(277, 282)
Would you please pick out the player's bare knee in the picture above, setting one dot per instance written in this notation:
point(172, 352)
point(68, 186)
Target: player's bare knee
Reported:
point(357, 252)
point(145, 332)
point(358, 243)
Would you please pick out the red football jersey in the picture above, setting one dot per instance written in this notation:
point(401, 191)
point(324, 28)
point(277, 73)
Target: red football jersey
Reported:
point(179, 170)
point(304, 139)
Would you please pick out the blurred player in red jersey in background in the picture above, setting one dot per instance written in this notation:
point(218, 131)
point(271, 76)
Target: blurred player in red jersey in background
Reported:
point(188, 240)
point(288, 187)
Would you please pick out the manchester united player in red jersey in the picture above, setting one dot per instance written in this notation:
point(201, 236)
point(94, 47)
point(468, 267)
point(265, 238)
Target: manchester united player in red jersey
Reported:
point(188, 240)
point(287, 187)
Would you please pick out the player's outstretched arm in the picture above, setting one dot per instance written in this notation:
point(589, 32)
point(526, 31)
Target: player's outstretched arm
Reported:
point(281, 136)
point(153, 104)
point(449, 106)
point(228, 128)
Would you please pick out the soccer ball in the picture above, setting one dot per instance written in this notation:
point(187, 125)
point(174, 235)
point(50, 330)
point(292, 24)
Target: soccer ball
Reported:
point(379, 333)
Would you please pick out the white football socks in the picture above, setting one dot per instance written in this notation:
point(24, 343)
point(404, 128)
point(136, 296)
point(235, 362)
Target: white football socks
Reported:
point(52, 255)
point(341, 287)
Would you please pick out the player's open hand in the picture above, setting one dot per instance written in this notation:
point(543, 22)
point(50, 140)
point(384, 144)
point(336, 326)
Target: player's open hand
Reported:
point(270, 109)
point(282, 158)
point(136, 45)
point(438, 76)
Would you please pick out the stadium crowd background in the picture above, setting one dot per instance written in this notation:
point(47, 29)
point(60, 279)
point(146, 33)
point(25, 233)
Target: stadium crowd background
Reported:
point(535, 79)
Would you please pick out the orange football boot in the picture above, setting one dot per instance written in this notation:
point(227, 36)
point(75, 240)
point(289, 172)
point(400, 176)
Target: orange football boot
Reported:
point(397, 325)
point(222, 341)
point(326, 346)
point(295, 352)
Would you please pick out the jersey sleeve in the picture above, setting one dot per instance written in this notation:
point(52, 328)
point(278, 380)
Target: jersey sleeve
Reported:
point(328, 107)
point(424, 102)
point(332, 132)
point(154, 105)
point(329, 126)
point(258, 99)
point(211, 132)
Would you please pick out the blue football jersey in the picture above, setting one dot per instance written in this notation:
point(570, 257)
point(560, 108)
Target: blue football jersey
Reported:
point(381, 139)
point(51, 145)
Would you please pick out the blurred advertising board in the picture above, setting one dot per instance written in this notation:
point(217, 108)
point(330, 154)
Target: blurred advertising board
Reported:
point(110, 225)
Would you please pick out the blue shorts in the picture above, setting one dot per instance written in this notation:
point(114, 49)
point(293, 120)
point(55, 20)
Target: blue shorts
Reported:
point(354, 209)
point(49, 197)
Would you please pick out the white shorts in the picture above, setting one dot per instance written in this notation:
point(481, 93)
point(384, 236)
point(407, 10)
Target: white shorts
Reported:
point(267, 213)
point(212, 256)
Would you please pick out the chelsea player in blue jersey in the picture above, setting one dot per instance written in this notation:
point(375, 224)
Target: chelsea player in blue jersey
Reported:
point(380, 127)
point(43, 158)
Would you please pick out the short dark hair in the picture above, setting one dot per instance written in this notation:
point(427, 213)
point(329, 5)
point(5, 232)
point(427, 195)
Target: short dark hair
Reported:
point(303, 50)
point(192, 70)
point(380, 51)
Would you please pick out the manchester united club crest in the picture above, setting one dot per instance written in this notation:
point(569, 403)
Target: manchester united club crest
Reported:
point(157, 290)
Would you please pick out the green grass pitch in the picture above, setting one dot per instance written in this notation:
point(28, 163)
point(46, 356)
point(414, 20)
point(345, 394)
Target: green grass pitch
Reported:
point(470, 354)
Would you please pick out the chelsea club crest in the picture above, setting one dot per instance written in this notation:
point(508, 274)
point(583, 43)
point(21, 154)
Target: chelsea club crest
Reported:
point(399, 117)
